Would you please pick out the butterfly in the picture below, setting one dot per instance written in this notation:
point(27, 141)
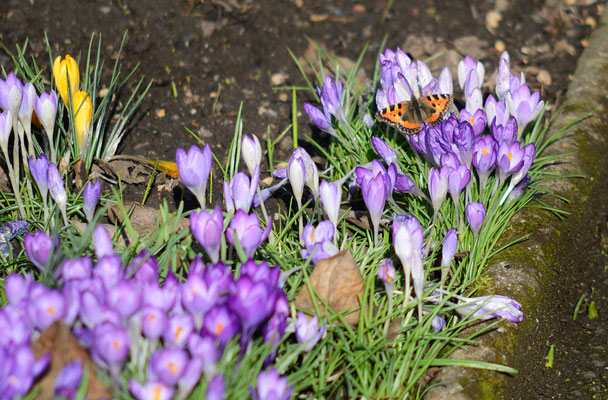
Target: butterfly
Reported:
point(408, 116)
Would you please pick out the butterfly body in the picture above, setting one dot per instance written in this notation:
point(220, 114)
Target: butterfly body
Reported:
point(408, 116)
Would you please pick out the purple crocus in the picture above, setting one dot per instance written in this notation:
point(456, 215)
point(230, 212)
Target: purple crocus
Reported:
point(321, 119)
point(252, 302)
point(510, 159)
point(150, 390)
point(143, 269)
point(331, 193)
point(386, 273)
point(238, 194)
point(413, 227)
point(503, 76)
point(11, 94)
point(208, 229)
point(46, 110)
point(46, 307)
point(525, 107)
point(39, 247)
point(438, 186)
point(204, 348)
point(318, 240)
point(221, 323)
point(6, 126)
point(308, 332)
point(466, 67)
point(90, 197)
point(477, 120)
point(438, 324)
point(110, 344)
point(271, 386)
point(215, 388)
point(476, 213)
point(125, 298)
point(153, 322)
point(68, 380)
point(168, 365)
point(485, 151)
point(38, 168)
point(194, 168)
point(78, 268)
point(103, 242)
point(179, 329)
point(450, 245)
point(296, 172)
point(57, 190)
point(496, 111)
point(385, 152)
point(251, 151)
point(488, 307)
point(458, 179)
point(506, 132)
point(331, 98)
point(17, 287)
point(248, 231)
point(375, 186)
point(18, 370)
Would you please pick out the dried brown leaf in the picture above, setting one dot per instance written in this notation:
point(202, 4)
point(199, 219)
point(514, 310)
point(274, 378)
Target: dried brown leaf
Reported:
point(64, 348)
point(338, 281)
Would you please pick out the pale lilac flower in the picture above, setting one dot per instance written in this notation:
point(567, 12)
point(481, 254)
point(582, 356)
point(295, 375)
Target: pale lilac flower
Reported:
point(221, 323)
point(168, 365)
point(468, 65)
point(477, 120)
point(475, 213)
point(506, 132)
point(68, 380)
point(251, 151)
point(46, 307)
point(46, 110)
point(238, 194)
point(271, 386)
point(510, 159)
point(445, 83)
point(208, 229)
point(374, 191)
point(331, 193)
point(27, 106)
point(38, 169)
point(178, 330)
point(39, 247)
point(90, 196)
point(19, 369)
point(78, 268)
point(6, 126)
point(321, 119)
point(488, 307)
point(496, 111)
point(103, 242)
point(525, 107)
point(153, 322)
point(331, 98)
point(248, 231)
point(503, 77)
point(385, 152)
point(111, 344)
point(450, 245)
point(413, 227)
point(215, 389)
point(194, 169)
point(308, 332)
point(438, 324)
point(318, 240)
point(386, 273)
point(458, 179)
point(485, 151)
point(438, 186)
point(151, 390)
point(11, 94)
point(57, 189)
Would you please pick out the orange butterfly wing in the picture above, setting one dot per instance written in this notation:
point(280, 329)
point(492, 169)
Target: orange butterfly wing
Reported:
point(409, 116)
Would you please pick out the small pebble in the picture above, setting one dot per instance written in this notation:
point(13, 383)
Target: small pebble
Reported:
point(160, 113)
point(278, 79)
point(500, 46)
point(544, 77)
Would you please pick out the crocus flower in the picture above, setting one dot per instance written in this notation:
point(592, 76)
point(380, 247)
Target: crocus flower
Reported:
point(221, 324)
point(506, 132)
point(125, 298)
point(178, 331)
point(39, 247)
point(151, 390)
point(413, 227)
point(18, 370)
point(308, 332)
point(46, 307)
point(78, 268)
point(488, 307)
point(215, 388)
point(90, 197)
point(248, 231)
point(476, 213)
point(168, 365)
point(386, 273)
point(194, 168)
point(238, 194)
point(27, 107)
point(310, 174)
point(458, 179)
point(11, 93)
point(466, 66)
point(6, 125)
point(450, 245)
point(528, 158)
point(252, 302)
point(251, 151)
point(190, 378)
point(110, 344)
point(438, 186)
point(320, 119)
point(477, 120)
point(204, 348)
point(484, 157)
point(385, 152)
point(525, 107)
point(57, 189)
point(83, 113)
point(438, 323)
point(374, 189)
point(271, 386)
point(17, 287)
point(208, 229)
point(103, 242)
point(153, 322)
point(66, 70)
point(503, 77)
point(331, 98)
point(318, 240)
point(38, 169)
point(68, 380)
point(296, 172)
point(143, 268)
point(496, 111)
point(510, 159)
point(444, 83)
point(331, 193)
point(46, 110)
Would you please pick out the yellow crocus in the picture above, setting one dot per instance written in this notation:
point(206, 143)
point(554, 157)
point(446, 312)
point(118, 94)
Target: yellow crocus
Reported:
point(62, 70)
point(83, 110)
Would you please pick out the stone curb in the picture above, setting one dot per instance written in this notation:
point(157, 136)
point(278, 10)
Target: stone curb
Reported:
point(526, 270)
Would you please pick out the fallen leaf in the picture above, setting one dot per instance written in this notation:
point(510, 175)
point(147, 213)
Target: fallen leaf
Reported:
point(338, 281)
point(64, 348)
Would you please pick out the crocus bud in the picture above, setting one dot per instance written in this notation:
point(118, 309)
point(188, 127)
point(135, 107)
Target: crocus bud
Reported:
point(11, 94)
point(46, 110)
point(57, 189)
point(103, 242)
point(90, 196)
point(194, 169)
point(168, 365)
point(208, 229)
point(238, 194)
point(27, 105)
point(488, 307)
point(83, 112)
point(331, 193)
point(450, 244)
point(6, 125)
point(386, 152)
point(38, 169)
point(296, 172)
point(438, 186)
point(386, 273)
point(39, 247)
point(251, 151)
point(215, 388)
point(68, 380)
point(308, 332)
point(66, 70)
point(476, 213)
